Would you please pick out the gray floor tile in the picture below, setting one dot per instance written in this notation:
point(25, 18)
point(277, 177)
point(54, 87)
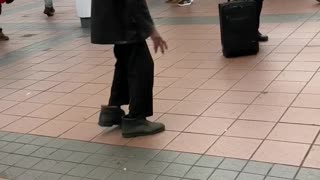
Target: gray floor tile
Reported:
point(60, 155)
point(209, 161)
point(11, 159)
point(69, 178)
point(177, 170)
point(308, 174)
point(247, 176)
point(43, 152)
point(27, 138)
point(12, 172)
point(135, 164)
point(49, 176)
point(115, 162)
point(28, 162)
point(11, 147)
point(166, 156)
point(258, 168)
point(139, 153)
point(30, 175)
point(56, 143)
point(95, 159)
point(81, 170)
point(3, 144)
point(126, 175)
point(45, 165)
point(10, 137)
point(77, 157)
point(73, 145)
point(27, 149)
point(91, 147)
point(276, 178)
point(283, 171)
point(3, 155)
point(233, 164)
point(3, 167)
point(155, 167)
point(41, 141)
point(187, 158)
point(167, 178)
point(142, 176)
point(200, 173)
point(3, 133)
point(109, 150)
point(122, 175)
point(62, 167)
point(220, 174)
point(100, 173)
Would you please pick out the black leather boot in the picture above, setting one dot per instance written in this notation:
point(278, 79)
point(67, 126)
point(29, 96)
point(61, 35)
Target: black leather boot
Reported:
point(133, 127)
point(110, 116)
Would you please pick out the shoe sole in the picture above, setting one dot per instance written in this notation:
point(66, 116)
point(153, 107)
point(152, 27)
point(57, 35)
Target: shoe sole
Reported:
point(132, 135)
point(182, 5)
point(106, 124)
point(188, 4)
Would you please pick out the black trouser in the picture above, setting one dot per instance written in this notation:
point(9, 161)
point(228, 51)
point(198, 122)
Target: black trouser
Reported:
point(133, 79)
point(259, 9)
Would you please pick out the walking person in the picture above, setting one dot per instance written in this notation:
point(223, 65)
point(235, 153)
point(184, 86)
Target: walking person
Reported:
point(127, 24)
point(49, 9)
point(3, 37)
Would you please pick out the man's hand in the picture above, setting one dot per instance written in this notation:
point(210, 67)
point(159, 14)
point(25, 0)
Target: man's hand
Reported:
point(158, 42)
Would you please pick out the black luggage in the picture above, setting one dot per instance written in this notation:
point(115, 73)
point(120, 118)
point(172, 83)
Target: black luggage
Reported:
point(239, 28)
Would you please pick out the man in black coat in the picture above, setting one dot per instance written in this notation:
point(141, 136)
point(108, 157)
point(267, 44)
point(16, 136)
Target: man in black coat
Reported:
point(127, 24)
point(261, 37)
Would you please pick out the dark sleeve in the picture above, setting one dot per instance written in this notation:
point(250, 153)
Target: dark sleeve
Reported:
point(142, 16)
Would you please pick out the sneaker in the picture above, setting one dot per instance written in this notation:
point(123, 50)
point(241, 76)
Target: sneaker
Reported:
point(49, 11)
point(134, 127)
point(110, 116)
point(182, 3)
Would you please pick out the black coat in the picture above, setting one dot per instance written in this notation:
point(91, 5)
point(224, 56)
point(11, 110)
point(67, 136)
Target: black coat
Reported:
point(120, 21)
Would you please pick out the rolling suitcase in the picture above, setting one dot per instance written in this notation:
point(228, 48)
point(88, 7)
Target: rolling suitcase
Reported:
point(239, 28)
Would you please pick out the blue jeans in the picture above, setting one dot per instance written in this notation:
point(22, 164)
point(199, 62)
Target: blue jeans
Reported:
point(48, 3)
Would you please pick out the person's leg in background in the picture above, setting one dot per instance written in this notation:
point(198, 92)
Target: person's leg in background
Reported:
point(261, 37)
point(2, 36)
point(49, 10)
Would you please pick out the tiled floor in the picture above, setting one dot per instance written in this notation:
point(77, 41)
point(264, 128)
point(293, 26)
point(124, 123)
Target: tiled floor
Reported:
point(263, 108)
point(25, 156)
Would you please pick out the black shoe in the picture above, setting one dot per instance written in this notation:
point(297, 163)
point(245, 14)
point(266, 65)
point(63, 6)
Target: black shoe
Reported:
point(171, 1)
point(3, 37)
point(134, 127)
point(185, 3)
point(49, 11)
point(262, 38)
point(110, 116)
